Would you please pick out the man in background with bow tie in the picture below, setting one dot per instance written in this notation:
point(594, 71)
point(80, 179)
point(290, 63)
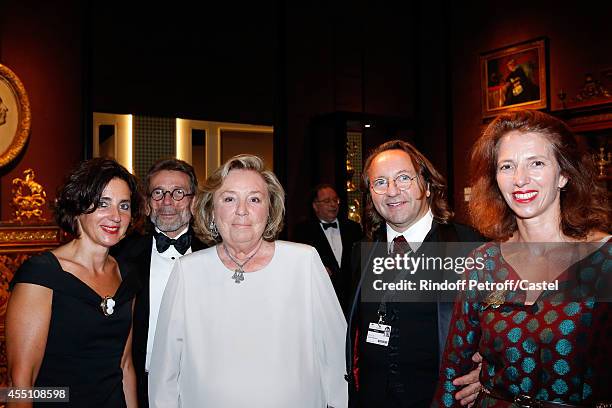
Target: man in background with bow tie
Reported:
point(333, 238)
point(171, 185)
point(405, 207)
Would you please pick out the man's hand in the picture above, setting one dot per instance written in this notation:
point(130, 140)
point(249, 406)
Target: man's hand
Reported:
point(467, 395)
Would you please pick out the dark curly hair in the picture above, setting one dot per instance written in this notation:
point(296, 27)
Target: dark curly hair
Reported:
point(81, 191)
point(584, 204)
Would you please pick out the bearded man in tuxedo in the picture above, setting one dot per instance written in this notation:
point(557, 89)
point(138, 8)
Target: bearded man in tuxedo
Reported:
point(171, 185)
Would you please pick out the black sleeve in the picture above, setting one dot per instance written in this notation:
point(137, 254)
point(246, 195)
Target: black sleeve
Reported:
point(39, 270)
point(355, 268)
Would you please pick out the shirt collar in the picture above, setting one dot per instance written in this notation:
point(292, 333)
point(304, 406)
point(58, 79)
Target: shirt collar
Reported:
point(184, 231)
point(331, 230)
point(325, 222)
point(416, 233)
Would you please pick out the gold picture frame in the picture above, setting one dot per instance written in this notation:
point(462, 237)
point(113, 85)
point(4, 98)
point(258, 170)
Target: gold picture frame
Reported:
point(15, 116)
point(514, 77)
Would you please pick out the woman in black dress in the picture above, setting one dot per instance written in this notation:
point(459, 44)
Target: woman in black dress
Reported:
point(69, 316)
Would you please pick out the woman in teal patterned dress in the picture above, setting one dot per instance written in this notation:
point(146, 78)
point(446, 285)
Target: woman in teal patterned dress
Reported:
point(534, 194)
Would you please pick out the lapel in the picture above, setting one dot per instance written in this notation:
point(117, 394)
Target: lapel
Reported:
point(144, 267)
point(144, 263)
point(321, 242)
point(345, 235)
point(432, 235)
point(137, 250)
point(445, 309)
point(142, 259)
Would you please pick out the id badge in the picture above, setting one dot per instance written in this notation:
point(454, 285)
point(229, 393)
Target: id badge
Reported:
point(379, 333)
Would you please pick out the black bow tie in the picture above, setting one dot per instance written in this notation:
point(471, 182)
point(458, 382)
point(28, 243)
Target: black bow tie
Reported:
point(327, 225)
point(182, 244)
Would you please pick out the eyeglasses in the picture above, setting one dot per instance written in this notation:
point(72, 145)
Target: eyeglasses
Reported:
point(402, 182)
point(329, 201)
point(177, 194)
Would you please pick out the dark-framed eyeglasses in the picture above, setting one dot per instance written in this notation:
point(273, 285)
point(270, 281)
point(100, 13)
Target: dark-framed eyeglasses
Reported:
point(402, 182)
point(177, 194)
point(329, 201)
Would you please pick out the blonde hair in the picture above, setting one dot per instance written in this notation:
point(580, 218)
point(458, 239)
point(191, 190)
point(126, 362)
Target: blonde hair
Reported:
point(204, 205)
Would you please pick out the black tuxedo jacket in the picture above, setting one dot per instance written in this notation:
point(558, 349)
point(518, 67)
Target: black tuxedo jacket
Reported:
point(311, 233)
point(136, 250)
point(405, 374)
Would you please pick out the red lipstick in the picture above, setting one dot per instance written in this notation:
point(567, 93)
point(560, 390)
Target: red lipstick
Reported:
point(523, 197)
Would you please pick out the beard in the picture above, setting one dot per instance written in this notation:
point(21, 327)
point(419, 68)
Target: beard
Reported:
point(178, 220)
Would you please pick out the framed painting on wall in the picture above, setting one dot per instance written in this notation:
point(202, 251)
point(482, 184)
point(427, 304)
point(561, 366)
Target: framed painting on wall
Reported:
point(14, 116)
point(514, 77)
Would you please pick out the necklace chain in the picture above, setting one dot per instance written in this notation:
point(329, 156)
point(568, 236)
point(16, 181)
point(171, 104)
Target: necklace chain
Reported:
point(239, 272)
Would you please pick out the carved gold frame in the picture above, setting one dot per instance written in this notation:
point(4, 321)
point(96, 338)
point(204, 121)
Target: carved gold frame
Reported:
point(533, 53)
point(22, 133)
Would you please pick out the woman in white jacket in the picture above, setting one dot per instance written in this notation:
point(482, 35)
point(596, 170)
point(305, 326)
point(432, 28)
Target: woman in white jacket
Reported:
point(250, 321)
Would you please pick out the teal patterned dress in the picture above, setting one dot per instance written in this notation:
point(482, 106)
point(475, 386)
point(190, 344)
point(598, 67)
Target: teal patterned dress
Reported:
point(557, 349)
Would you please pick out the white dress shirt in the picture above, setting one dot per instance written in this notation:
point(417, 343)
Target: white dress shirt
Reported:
point(415, 234)
point(334, 238)
point(161, 266)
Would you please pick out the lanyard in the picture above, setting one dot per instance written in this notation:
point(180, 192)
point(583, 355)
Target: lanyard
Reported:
point(390, 294)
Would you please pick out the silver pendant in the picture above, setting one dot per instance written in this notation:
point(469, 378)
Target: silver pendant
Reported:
point(107, 305)
point(238, 275)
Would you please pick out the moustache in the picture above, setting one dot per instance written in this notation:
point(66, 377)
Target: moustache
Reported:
point(167, 213)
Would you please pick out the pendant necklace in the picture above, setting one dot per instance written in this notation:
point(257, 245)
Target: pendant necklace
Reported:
point(108, 304)
point(238, 275)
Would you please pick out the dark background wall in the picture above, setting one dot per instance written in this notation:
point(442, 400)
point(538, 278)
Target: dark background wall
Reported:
point(217, 62)
point(43, 44)
point(351, 57)
point(279, 63)
point(578, 34)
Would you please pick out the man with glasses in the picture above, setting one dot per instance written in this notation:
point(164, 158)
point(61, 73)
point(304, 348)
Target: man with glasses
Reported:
point(405, 206)
point(171, 186)
point(333, 238)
